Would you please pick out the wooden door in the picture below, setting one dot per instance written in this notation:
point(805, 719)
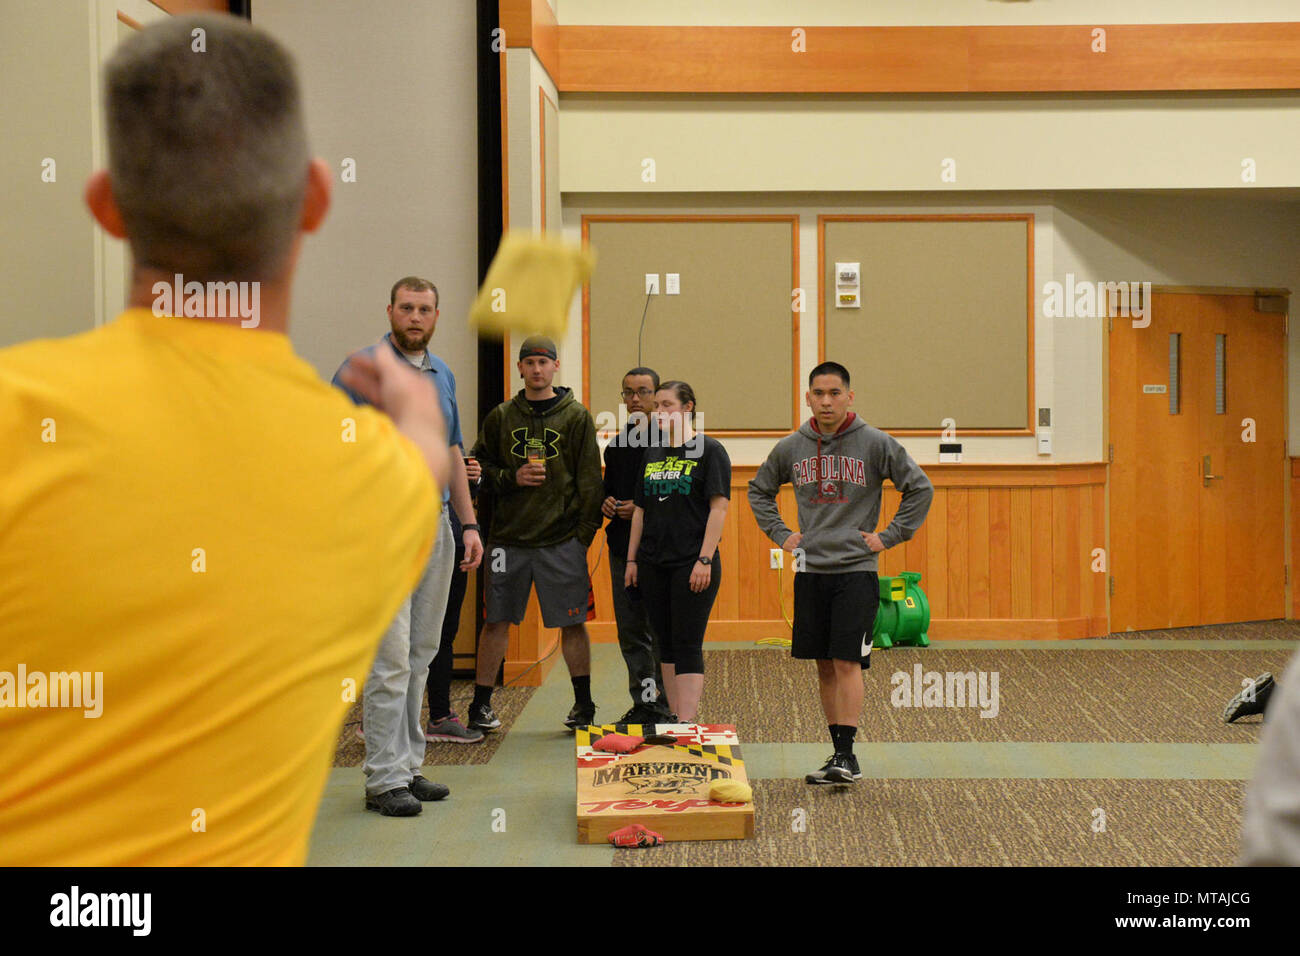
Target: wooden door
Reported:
point(1202, 385)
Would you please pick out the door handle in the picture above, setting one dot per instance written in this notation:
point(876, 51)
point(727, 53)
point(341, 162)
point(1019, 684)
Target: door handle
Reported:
point(1205, 472)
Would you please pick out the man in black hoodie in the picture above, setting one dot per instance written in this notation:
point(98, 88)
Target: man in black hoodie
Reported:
point(623, 457)
point(542, 465)
point(837, 463)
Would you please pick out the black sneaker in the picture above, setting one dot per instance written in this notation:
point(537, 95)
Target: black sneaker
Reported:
point(1251, 700)
point(660, 714)
point(837, 769)
point(580, 716)
point(394, 803)
point(853, 766)
point(642, 714)
point(482, 718)
point(426, 790)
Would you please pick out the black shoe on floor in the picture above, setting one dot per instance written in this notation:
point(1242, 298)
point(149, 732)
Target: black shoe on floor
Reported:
point(426, 790)
point(642, 714)
point(580, 716)
point(853, 766)
point(482, 718)
point(394, 803)
point(836, 770)
point(1251, 700)
point(660, 714)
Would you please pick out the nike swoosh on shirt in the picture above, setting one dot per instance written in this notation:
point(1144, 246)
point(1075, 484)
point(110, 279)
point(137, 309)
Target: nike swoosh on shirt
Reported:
point(663, 497)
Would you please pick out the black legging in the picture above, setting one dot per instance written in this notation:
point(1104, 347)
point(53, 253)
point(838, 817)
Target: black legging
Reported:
point(678, 615)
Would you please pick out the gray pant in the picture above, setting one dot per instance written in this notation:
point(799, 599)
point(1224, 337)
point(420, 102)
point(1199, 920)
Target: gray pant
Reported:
point(635, 638)
point(395, 688)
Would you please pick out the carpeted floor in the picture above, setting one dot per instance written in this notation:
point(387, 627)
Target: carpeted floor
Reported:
point(976, 823)
point(1246, 630)
point(1101, 695)
point(508, 702)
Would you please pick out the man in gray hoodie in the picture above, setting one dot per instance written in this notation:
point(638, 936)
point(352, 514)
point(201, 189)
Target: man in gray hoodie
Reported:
point(837, 462)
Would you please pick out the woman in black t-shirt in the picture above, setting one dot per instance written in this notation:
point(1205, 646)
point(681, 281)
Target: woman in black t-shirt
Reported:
point(672, 553)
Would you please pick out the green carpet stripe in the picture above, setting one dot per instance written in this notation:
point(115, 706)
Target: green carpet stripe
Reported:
point(1013, 760)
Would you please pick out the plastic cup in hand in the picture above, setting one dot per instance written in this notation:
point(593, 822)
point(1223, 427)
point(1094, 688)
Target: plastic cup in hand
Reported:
point(537, 456)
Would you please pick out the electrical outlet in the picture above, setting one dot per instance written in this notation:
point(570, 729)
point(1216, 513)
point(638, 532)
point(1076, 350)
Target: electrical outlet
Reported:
point(652, 283)
point(778, 558)
point(672, 283)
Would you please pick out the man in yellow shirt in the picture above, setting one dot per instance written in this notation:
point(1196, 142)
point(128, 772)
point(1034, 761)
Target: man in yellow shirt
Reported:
point(201, 542)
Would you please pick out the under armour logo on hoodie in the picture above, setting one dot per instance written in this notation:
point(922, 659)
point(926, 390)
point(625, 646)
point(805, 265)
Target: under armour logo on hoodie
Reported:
point(523, 442)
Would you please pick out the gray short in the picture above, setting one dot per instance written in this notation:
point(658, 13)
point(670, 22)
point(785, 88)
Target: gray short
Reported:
point(560, 571)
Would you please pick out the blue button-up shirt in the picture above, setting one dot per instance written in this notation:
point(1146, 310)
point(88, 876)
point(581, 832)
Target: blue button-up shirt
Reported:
point(443, 381)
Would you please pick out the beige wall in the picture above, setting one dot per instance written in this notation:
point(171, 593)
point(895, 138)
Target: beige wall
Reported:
point(46, 246)
point(525, 76)
point(1176, 239)
point(392, 86)
point(704, 143)
point(1123, 187)
point(903, 13)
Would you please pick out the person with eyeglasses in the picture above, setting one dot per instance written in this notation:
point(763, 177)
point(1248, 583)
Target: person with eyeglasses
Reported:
point(837, 463)
point(623, 457)
point(672, 553)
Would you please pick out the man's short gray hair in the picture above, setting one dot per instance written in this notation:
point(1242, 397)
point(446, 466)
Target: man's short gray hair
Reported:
point(207, 151)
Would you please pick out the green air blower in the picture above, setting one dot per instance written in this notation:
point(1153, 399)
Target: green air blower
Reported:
point(904, 614)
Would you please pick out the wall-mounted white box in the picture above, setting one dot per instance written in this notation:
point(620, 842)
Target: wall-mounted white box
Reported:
point(848, 282)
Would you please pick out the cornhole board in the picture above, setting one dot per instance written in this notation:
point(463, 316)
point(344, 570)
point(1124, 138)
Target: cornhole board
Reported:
point(664, 788)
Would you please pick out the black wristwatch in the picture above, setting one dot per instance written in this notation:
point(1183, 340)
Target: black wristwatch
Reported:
point(705, 561)
point(469, 527)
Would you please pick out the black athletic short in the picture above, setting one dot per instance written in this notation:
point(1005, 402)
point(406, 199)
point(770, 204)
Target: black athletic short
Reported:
point(834, 615)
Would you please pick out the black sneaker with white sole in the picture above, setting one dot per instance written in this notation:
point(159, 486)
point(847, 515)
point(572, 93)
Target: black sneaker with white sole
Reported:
point(853, 766)
point(838, 769)
point(481, 717)
point(580, 716)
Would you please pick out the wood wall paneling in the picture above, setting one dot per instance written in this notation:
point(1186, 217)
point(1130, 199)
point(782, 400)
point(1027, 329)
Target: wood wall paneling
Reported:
point(1004, 554)
point(178, 7)
point(532, 23)
point(933, 59)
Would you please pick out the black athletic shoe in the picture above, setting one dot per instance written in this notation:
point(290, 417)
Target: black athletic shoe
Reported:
point(394, 803)
point(853, 766)
point(482, 718)
point(1251, 700)
point(580, 716)
point(426, 790)
point(836, 770)
point(643, 714)
point(660, 714)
